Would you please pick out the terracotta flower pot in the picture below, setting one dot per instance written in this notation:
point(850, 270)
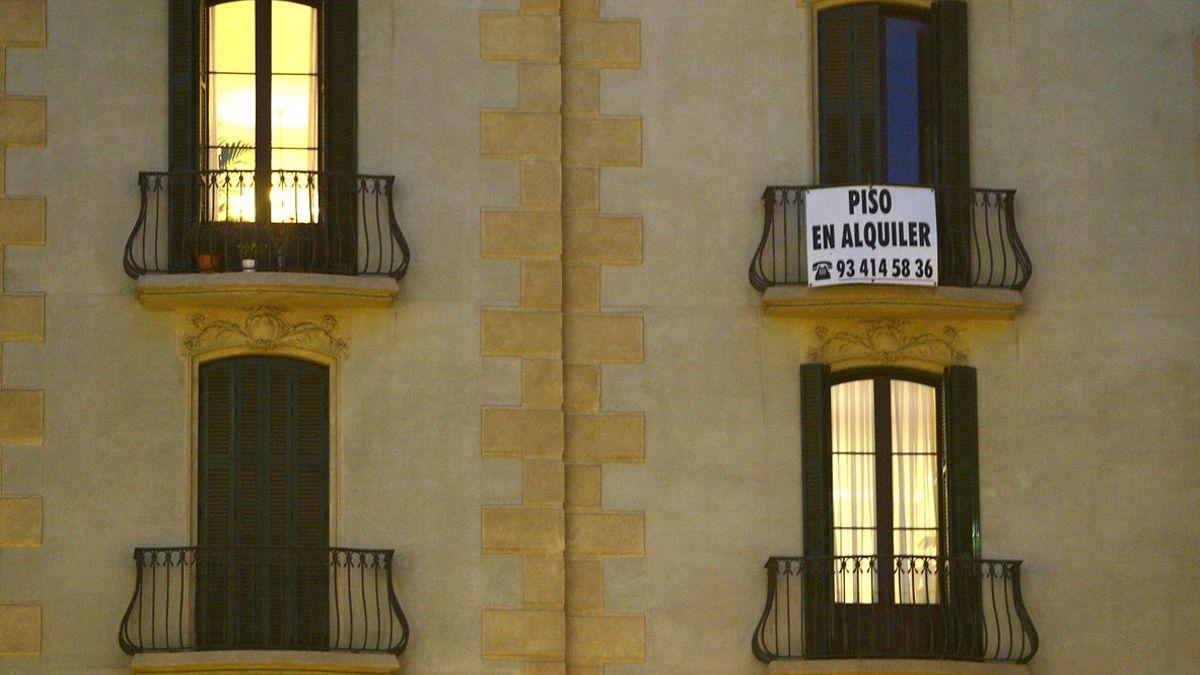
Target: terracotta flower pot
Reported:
point(207, 262)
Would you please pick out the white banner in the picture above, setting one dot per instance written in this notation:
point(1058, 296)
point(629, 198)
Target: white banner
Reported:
point(871, 234)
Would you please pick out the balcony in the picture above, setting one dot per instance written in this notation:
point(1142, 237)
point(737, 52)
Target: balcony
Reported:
point(200, 608)
point(982, 264)
point(923, 608)
point(310, 238)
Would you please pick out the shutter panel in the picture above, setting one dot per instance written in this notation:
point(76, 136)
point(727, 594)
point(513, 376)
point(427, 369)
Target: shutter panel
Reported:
point(816, 450)
point(960, 461)
point(952, 163)
point(339, 140)
point(310, 502)
point(183, 126)
point(848, 85)
point(952, 167)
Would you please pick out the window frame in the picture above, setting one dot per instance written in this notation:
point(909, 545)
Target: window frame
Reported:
point(950, 140)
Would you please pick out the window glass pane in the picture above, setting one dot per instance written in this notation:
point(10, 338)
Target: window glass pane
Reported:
point(231, 120)
point(853, 422)
point(293, 37)
point(902, 99)
point(914, 491)
point(231, 45)
point(294, 113)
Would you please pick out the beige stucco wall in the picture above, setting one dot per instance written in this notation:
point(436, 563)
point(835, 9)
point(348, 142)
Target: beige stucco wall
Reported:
point(1090, 465)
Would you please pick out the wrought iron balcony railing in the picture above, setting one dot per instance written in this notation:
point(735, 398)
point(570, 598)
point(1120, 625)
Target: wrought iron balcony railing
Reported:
point(978, 244)
point(912, 607)
point(286, 598)
point(304, 221)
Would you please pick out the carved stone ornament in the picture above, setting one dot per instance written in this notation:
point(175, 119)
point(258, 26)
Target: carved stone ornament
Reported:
point(888, 341)
point(264, 330)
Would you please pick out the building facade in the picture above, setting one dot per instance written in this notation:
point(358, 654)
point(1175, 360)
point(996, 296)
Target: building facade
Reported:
point(499, 394)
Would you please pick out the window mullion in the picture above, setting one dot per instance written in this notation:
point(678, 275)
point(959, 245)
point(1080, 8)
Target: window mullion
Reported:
point(884, 545)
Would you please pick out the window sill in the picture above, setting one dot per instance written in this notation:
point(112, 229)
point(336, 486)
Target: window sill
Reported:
point(908, 666)
point(264, 661)
point(879, 301)
point(265, 289)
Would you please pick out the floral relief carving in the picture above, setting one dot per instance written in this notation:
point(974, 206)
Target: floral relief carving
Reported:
point(265, 330)
point(888, 341)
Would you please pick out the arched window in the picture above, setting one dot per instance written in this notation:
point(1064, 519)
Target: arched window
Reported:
point(262, 523)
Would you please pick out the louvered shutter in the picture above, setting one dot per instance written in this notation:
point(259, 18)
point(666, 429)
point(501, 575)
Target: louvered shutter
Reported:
point(952, 165)
point(183, 125)
point(264, 488)
point(816, 453)
point(960, 460)
point(848, 71)
point(339, 37)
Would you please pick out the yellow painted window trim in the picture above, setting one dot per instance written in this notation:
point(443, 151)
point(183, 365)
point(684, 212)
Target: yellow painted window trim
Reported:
point(335, 455)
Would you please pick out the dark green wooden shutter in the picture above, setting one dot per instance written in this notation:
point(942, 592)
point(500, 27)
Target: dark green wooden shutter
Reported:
point(952, 163)
point(848, 85)
point(816, 453)
point(339, 38)
point(960, 461)
point(264, 485)
point(183, 125)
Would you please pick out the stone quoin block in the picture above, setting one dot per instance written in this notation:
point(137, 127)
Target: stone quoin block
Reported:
point(524, 633)
point(606, 638)
point(585, 586)
point(584, 486)
point(581, 288)
point(520, 529)
point(581, 189)
point(23, 23)
point(582, 385)
point(602, 141)
point(581, 90)
point(606, 437)
point(541, 184)
point(606, 240)
point(21, 416)
point(541, 383)
point(541, 284)
point(544, 580)
point(22, 121)
point(516, 134)
point(509, 332)
point(20, 521)
point(604, 338)
point(23, 221)
point(521, 234)
point(602, 43)
point(521, 432)
point(540, 6)
point(20, 630)
point(519, 36)
point(542, 482)
point(540, 86)
point(581, 8)
point(606, 534)
point(22, 318)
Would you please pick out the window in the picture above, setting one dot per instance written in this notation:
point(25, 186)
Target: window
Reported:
point(892, 100)
point(256, 142)
point(263, 512)
point(891, 499)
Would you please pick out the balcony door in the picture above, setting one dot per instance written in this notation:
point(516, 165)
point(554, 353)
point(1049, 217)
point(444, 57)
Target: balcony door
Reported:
point(263, 518)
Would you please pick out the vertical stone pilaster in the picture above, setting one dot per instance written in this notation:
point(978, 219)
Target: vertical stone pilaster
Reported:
point(532, 234)
point(22, 223)
point(592, 143)
point(560, 331)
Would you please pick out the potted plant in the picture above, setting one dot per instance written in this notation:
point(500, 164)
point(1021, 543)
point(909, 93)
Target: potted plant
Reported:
point(249, 253)
point(204, 244)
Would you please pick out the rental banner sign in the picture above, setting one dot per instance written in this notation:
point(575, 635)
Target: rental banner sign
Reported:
point(871, 234)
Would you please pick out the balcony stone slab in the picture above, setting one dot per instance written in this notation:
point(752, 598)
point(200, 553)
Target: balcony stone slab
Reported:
point(906, 666)
point(253, 662)
point(265, 289)
point(885, 301)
